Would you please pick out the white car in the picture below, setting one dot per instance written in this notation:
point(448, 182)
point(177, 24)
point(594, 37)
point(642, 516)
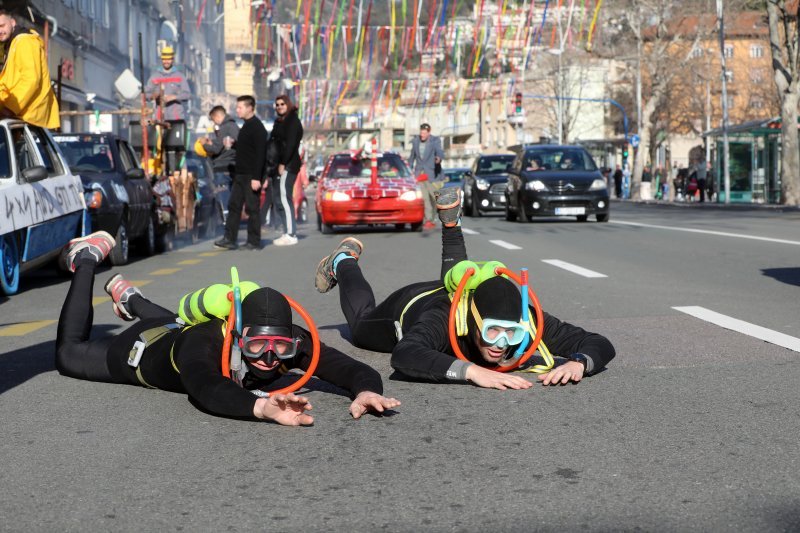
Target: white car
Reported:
point(41, 201)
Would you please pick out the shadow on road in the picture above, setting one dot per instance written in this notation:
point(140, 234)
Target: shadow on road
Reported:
point(790, 276)
point(19, 366)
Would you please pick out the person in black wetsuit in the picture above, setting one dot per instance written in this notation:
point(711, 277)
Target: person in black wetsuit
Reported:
point(188, 359)
point(414, 328)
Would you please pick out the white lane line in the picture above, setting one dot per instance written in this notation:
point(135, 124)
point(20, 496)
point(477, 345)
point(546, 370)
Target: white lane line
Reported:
point(469, 231)
point(506, 245)
point(575, 269)
point(709, 232)
point(768, 335)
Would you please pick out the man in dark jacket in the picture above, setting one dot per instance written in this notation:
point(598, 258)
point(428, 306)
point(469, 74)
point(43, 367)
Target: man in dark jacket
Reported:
point(248, 180)
point(219, 146)
point(412, 323)
point(288, 132)
point(159, 352)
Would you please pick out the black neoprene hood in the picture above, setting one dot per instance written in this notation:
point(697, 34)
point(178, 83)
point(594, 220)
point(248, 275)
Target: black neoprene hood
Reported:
point(498, 298)
point(267, 307)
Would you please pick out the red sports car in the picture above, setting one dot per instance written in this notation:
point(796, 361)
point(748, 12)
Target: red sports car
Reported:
point(347, 195)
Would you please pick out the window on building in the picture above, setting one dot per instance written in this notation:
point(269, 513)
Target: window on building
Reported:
point(757, 75)
point(756, 51)
point(757, 103)
point(730, 101)
point(697, 52)
point(729, 76)
point(728, 50)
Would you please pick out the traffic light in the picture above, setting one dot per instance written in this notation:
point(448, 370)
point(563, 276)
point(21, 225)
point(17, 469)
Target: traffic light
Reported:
point(518, 103)
point(625, 153)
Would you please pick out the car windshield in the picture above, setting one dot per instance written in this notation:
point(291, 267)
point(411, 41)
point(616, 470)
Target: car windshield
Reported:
point(389, 166)
point(494, 164)
point(87, 153)
point(557, 159)
point(454, 174)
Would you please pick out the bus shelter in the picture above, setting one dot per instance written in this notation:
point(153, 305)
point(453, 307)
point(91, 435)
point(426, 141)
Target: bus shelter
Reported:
point(755, 155)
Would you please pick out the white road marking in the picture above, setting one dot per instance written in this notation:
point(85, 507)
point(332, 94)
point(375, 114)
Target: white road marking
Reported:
point(506, 245)
point(575, 269)
point(709, 232)
point(768, 335)
point(469, 231)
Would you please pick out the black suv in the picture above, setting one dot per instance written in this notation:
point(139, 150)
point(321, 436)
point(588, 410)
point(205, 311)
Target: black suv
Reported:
point(119, 198)
point(554, 180)
point(485, 184)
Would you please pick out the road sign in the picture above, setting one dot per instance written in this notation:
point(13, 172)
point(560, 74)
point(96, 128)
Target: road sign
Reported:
point(635, 140)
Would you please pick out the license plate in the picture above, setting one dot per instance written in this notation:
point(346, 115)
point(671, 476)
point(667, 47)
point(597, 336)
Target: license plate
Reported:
point(570, 210)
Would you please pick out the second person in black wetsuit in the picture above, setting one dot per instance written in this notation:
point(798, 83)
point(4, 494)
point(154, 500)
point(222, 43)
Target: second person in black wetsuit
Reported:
point(412, 323)
point(188, 359)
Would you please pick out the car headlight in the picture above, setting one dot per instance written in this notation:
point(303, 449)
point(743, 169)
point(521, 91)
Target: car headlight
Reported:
point(598, 185)
point(536, 185)
point(337, 196)
point(94, 198)
point(410, 196)
point(482, 184)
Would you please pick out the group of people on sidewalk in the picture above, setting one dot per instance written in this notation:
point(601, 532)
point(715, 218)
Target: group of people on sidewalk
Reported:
point(254, 159)
point(162, 351)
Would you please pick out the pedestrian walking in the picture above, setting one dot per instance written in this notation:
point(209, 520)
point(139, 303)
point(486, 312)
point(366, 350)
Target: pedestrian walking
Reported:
point(250, 148)
point(426, 154)
point(701, 169)
point(618, 182)
point(288, 133)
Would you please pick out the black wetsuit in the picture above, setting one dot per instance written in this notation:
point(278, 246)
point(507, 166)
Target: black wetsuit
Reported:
point(185, 360)
point(424, 351)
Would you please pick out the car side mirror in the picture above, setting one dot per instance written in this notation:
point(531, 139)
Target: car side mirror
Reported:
point(135, 174)
point(34, 174)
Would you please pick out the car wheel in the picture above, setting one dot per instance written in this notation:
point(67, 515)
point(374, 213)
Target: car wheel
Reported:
point(511, 216)
point(9, 265)
point(473, 206)
point(302, 213)
point(416, 227)
point(399, 227)
point(602, 217)
point(319, 222)
point(119, 253)
point(583, 218)
point(148, 240)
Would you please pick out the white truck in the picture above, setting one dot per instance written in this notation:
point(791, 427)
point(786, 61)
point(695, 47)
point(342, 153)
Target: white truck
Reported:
point(42, 204)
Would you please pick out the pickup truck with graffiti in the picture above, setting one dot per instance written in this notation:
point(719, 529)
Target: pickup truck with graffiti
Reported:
point(42, 204)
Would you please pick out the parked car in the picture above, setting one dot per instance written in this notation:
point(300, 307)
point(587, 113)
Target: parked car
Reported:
point(119, 198)
point(209, 209)
point(43, 202)
point(346, 196)
point(454, 177)
point(485, 184)
point(555, 180)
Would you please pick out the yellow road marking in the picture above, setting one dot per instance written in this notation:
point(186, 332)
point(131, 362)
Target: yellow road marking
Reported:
point(191, 262)
point(165, 271)
point(209, 254)
point(97, 300)
point(24, 328)
point(140, 282)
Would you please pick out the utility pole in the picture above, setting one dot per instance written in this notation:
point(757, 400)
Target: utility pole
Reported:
point(725, 145)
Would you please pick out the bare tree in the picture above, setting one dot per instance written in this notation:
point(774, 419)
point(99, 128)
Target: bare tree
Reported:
point(784, 40)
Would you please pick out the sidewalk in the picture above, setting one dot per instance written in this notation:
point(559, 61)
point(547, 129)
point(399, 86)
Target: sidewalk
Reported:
point(711, 205)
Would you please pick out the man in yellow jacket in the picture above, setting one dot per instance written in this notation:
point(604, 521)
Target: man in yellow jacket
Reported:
point(25, 90)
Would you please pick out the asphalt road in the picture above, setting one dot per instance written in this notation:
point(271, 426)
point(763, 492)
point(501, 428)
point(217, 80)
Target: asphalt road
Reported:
point(693, 426)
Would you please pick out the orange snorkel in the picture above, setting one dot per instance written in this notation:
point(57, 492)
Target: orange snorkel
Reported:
point(533, 299)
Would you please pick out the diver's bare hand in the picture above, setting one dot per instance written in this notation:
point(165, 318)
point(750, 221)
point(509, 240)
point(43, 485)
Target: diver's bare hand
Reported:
point(571, 371)
point(371, 401)
point(483, 377)
point(285, 409)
